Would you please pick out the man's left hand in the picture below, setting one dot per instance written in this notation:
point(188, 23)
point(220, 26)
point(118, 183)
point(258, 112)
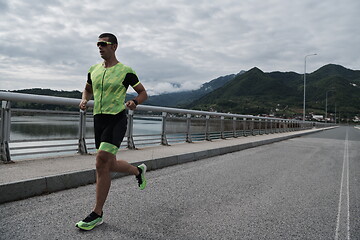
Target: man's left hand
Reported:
point(131, 105)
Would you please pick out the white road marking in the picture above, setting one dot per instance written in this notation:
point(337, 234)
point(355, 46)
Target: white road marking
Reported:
point(343, 228)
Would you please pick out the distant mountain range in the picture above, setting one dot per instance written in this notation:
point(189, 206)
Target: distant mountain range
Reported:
point(255, 92)
point(178, 99)
point(281, 94)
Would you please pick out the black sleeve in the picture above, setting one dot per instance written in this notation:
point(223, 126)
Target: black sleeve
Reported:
point(130, 80)
point(89, 79)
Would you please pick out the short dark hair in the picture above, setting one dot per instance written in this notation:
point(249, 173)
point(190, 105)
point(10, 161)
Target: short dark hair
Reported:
point(112, 37)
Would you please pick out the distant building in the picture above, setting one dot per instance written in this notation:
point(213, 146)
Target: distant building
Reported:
point(318, 117)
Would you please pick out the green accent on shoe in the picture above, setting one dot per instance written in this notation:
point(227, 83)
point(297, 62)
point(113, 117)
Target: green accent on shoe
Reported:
point(141, 177)
point(85, 225)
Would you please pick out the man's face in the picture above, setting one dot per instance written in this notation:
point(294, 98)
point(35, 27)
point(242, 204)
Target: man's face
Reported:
point(106, 50)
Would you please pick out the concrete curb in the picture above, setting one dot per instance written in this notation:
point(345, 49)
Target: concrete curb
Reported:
point(33, 187)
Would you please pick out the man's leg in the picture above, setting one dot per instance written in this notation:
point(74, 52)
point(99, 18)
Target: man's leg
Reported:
point(139, 171)
point(104, 160)
point(123, 166)
point(106, 163)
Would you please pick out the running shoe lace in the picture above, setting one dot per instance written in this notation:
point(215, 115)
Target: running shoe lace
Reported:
point(138, 177)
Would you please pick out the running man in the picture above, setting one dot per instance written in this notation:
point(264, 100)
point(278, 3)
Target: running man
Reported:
point(108, 83)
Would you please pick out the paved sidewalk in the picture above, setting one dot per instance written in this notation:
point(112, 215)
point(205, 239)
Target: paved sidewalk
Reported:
point(29, 178)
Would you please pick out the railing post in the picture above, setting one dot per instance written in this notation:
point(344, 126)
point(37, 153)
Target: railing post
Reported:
point(82, 128)
point(5, 131)
point(289, 126)
point(222, 135)
point(279, 126)
point(163, 129)
point(252, 127)
point(287, 122)
point(266, 126)
point(260, 126)
point(207, 126)
point(234, 128)
point(274, 122)
point(245, 127)
point(130, 130)
point(188, 126)
point(285, 125)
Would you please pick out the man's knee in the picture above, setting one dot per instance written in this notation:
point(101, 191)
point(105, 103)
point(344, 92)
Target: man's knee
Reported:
point(103, 160)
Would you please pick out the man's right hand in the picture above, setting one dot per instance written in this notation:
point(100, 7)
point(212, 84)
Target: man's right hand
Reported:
point(82, 104)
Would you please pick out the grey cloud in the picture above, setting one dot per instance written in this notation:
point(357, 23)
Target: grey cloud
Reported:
point(180, 42)
point(3, 6)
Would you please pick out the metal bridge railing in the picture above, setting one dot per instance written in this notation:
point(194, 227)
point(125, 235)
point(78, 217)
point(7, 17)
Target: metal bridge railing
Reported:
point(177, 125)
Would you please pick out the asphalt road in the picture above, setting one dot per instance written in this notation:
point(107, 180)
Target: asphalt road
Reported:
point(303, 188)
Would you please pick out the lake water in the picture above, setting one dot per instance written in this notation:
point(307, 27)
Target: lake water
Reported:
point(49, 127)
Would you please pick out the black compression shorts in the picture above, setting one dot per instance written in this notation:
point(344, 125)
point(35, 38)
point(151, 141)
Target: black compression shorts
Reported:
point(109, 131)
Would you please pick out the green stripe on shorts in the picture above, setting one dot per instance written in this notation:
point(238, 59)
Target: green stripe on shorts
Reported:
point(108, 147)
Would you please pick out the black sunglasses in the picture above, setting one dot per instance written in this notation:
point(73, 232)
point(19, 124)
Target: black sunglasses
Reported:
point(103, 44)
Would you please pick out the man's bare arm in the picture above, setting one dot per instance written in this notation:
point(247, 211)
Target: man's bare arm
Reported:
point(86, 96)
point(140, 98)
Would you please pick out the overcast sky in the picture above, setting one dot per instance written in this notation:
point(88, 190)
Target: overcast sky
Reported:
point(172, 45)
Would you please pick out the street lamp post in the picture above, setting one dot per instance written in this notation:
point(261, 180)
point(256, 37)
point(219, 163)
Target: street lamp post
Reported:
point(326, 104)
point(305, 82)
point(326, 107)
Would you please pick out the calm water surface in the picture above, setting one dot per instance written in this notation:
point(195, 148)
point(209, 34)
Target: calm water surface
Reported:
point(50, 127)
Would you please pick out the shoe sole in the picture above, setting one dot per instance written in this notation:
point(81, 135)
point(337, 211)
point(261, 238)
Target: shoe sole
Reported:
point(91, 228)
